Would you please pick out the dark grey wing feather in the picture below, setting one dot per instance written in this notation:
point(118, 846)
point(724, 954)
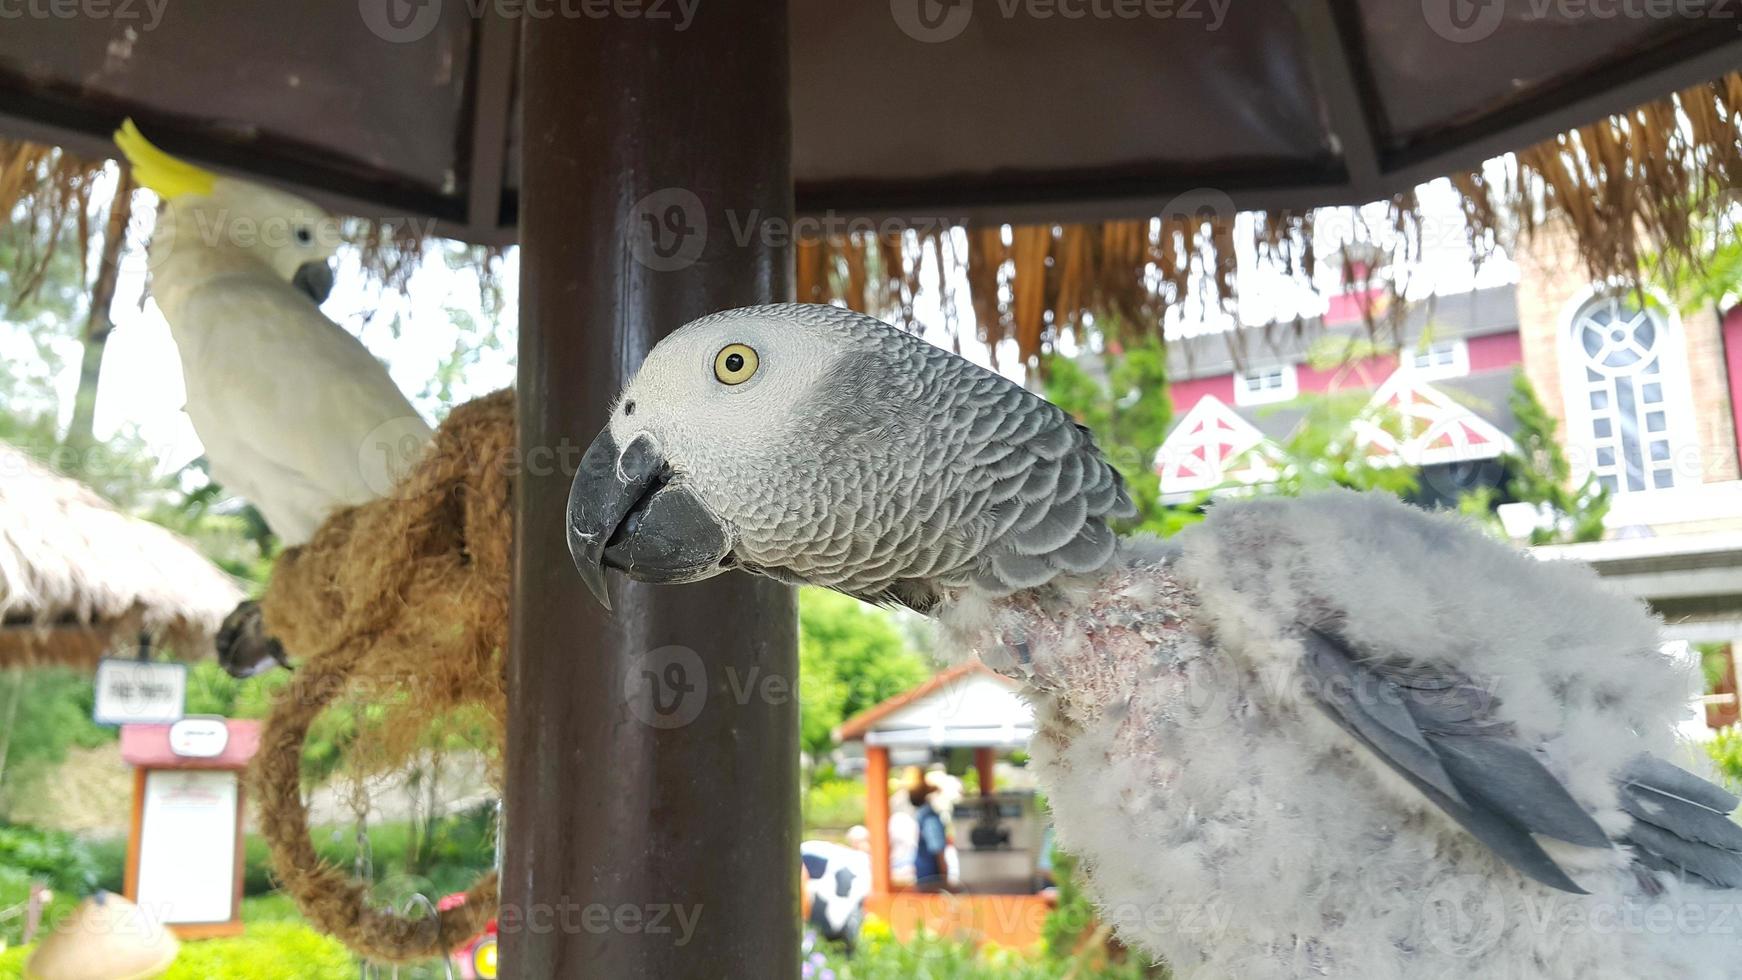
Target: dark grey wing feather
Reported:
point(1433, 727)
point(1681, 822)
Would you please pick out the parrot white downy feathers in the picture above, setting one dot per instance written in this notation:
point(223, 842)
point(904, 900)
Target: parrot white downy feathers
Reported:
point(1327, 737)
point(295, 414)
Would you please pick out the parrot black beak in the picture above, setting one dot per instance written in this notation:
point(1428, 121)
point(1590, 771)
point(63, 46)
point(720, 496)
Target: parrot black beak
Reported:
point(314, 280)
point(626, 512)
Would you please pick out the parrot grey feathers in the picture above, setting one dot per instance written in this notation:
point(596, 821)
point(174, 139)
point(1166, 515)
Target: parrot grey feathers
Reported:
point(1682, 823)
point(859, 457)
point(820, 446)
point(1434, 730)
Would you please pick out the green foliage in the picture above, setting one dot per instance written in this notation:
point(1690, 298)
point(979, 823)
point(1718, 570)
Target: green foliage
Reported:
point(276, 945)
point(1539, 474)
point(266, 951)
point(851, 656)
point(932, 957)
point(1324, 452)
point(69, 868)
point(15, 885)
point(1725, 748)
point(834, 804)
point(57, 858)
point(409, 860)
point(54, 717)
point(1716, 279)
point(1065, 925)
point(1129, 415)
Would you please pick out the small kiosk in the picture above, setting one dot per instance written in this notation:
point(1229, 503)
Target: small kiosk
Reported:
point(999, 836)
point(184, 852)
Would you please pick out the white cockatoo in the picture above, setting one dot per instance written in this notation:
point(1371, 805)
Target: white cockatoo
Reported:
point(295, 414)
point(1328, 737)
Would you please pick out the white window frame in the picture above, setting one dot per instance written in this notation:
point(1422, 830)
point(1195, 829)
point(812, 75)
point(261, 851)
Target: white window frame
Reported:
point(1603, 456)
point(1286, 389)
point(1438, 359)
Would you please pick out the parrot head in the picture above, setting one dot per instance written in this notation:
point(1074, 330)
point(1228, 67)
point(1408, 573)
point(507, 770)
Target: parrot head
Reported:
point(816, 445)
point(293, 237)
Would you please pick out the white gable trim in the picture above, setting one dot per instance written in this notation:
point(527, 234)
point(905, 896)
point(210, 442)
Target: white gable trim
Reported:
point(1435, 427)
point(1210, 448)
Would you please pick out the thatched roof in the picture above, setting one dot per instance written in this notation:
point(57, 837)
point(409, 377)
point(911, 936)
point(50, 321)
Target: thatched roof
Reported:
point(1643, 183)
point(79, 578)
point(1636, 184)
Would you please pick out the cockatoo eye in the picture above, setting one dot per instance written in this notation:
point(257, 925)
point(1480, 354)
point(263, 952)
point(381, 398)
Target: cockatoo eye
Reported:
point(305, 236)
point(734, 364)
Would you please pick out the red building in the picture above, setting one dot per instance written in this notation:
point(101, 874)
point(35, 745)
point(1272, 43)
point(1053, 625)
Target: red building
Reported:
point(1649, 398)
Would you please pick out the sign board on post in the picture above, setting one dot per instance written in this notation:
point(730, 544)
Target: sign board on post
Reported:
point(139, 692)
point(184, 854)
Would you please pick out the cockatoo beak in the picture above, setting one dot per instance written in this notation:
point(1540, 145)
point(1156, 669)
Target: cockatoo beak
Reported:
point(314, 280)
point(627, 512)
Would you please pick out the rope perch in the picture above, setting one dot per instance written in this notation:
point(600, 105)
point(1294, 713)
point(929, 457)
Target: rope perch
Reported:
point(402, 601)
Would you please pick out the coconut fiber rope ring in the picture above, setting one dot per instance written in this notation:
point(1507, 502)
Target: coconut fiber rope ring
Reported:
point(333, 901)
point(400, 602)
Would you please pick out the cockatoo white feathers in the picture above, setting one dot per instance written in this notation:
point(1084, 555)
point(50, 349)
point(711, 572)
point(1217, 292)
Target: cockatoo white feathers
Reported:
point(295, 414)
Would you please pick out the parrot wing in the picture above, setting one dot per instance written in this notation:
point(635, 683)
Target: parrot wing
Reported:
point(1435, 728)
point(277, 388)
point(1681, 823)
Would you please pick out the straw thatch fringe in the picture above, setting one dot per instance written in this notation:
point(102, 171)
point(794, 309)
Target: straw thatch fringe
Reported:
point(1637, 184)
point(79, 578)
point(400, 604)
point(44, 190)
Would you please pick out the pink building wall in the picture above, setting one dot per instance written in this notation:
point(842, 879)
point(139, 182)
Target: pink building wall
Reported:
point(1497, 350)
point(1489, 353)
point(1733, 364)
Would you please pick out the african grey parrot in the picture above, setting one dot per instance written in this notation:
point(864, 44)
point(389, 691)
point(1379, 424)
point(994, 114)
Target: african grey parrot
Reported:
point(1327, 737)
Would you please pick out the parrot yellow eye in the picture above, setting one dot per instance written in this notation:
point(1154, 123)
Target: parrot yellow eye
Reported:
point(734, 364)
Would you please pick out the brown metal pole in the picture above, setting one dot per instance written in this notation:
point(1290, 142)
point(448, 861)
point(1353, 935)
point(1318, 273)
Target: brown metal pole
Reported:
point(652, 772)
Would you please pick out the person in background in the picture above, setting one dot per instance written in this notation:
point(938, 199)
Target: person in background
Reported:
point(859, 838)
point(930, 856)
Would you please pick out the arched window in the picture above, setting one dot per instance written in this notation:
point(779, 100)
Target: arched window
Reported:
point(1626, 394)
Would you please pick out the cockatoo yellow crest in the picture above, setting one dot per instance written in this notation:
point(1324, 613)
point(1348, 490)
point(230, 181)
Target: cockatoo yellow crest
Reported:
point(159, 172)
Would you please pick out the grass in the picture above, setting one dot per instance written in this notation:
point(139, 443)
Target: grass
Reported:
point(835, 804)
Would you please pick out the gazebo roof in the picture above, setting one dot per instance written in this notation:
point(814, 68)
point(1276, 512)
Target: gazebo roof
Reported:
point(1010, 112)
point(78, 577)
point(966, 706)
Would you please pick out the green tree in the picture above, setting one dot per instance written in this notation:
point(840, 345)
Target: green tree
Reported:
point(1129, 413)
point(1325, 449)
point(1538, 473)
point(851, 656)
point(51, 715)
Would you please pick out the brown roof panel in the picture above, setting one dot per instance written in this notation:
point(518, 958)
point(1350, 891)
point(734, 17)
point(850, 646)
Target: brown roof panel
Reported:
point(1011, 110)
